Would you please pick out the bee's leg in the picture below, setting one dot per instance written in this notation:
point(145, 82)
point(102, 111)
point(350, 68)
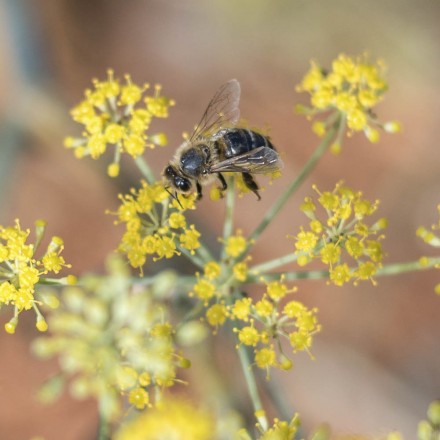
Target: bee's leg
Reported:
point(251, 184)
point(223, 182)
point(199, 191)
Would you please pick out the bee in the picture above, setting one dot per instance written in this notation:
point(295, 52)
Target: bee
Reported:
point(217, 146)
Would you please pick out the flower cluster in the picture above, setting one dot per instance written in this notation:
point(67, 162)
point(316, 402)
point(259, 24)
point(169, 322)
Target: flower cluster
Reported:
point(349, 91)
point(113, 338)
point(266, 322)
point(343, 234)
point(154, 226)
point(430, 429)
point(174, 419)
point(118, 114)
point(280, 430)
point(432, 238)
point(262, 323)
point(21, 272)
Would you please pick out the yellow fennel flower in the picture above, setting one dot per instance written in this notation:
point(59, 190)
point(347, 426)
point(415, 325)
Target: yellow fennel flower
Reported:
point(281, 430)
point(343, 237)
point(203, 289)
point(139, 398)
point(174, 419)
point(212, 270)
point(432, 237)
point(114, 341)
point(273, 320)
point(248, 335)
point(347, 93)
point(189, 239)
point(154, 227)
point(216, 315)
point(21, 271)
point(265, 358)
point(113, 115)
point(235, 244)
point(242, 308)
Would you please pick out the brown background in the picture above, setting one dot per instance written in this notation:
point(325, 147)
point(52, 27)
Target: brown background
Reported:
point(378, 358)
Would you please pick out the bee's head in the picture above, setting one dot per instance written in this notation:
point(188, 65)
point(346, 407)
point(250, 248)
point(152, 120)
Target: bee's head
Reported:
point(180, 183)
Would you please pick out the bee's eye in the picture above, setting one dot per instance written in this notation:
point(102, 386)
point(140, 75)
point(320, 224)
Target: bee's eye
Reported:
point(169, 171)
point(182, 184)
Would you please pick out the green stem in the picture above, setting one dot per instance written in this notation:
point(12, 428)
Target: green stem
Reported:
point(252, 387)
point(389, 269)
point(290, 276)
point(205, 253)
point(281, 201)
point(229, 214)
point(53, 281)
point(398, 268)
point(196, 260)
point(185, 282)
point(285, 410)
point(103, 429)
point(196, 312)
point(273, 264)
point(145, 169)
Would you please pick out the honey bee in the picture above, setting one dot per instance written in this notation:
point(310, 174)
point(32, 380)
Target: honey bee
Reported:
point(217, 146)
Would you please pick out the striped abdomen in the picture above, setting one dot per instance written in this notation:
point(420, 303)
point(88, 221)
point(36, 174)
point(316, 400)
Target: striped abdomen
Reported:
point(237, 141)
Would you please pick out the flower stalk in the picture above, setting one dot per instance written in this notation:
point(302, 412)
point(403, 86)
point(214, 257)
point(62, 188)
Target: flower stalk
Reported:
point(386, 270)
point(145, 169)
point(229, 213)
point(252, 387)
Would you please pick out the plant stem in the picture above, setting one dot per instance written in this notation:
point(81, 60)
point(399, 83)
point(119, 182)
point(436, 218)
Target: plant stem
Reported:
point(290, 276)
point(103, 429)
point(389, 269)
point(252, 387)
point(229, 214)
point(398, 268)
point(204, 253)
point(196, 260)
point(145, 169)
point(273, 264)
point(285, 410)
point(281, 201)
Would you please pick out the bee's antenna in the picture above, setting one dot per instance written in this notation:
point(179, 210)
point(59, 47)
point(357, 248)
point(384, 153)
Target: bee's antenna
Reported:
point(168, 191)
point(174, 196)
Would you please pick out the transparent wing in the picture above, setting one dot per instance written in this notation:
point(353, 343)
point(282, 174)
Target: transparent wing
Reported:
point(222, 110)
point(258, 161)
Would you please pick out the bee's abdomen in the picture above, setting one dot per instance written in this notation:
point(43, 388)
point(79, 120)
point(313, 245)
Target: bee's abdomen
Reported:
point(241, 140)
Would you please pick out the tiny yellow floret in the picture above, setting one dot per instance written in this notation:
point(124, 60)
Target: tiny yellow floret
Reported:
point(212, 270)
point(235, 245)
point(138, 398)
point(216, 315)
point(265, 358)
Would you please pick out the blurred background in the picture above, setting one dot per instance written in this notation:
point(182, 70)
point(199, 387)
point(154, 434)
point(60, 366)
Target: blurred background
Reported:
point(377, 361)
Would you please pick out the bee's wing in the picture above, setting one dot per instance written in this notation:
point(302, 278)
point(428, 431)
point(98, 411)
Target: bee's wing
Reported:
point(258, 161)
point(222, 110)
